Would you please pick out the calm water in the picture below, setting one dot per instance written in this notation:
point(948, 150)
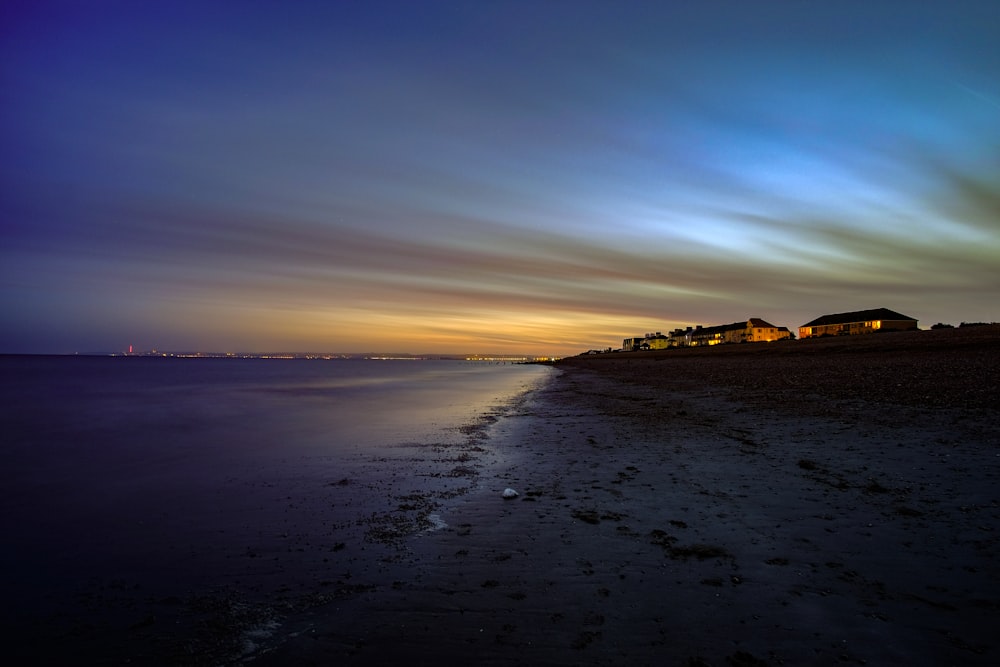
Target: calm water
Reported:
point(174, 475)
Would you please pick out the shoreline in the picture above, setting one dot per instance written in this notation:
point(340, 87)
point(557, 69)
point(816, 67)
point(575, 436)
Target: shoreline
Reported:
point(710, 511)
point(217, 547)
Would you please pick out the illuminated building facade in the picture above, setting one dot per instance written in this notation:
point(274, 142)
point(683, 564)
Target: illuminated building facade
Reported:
point(753, 330)
point(859, 322)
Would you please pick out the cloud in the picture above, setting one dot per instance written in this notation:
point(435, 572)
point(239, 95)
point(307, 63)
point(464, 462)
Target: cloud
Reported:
point(529, 175)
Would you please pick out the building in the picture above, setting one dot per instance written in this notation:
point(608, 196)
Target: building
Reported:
point(760, 331)
point(753, 330)
point(631, 344)
point(859, 322)
point(655, 341)
point(651, 341)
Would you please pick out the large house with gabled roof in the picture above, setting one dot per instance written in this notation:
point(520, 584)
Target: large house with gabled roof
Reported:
point(858, 322)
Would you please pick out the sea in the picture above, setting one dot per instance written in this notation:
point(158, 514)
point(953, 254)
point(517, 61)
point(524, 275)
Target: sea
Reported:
point(142, 498)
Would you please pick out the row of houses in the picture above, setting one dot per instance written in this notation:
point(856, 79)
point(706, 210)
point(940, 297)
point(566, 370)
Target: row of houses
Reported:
point(756, 330)
point(753, 330)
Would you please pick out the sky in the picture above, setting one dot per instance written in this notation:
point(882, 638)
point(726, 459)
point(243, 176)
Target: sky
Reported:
point(539, 177)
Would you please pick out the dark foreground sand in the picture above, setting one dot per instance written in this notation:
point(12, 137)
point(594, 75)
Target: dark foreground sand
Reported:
point(804, 503)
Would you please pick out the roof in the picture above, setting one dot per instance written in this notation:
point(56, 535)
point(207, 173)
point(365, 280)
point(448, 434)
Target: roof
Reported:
point(857, 316)
point(735, 326)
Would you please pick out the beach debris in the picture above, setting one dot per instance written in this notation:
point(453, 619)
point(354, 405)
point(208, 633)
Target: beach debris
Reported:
point(437, 523)
point(510, 493)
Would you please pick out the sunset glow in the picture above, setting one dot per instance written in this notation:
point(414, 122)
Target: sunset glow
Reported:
point(509, 177)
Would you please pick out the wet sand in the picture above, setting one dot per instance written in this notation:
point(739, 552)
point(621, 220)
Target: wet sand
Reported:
point(811, 502)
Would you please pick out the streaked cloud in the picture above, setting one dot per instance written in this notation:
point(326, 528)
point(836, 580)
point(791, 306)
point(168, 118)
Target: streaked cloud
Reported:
point(508, 177)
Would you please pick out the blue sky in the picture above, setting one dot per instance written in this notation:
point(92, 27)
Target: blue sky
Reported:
point(543, 177)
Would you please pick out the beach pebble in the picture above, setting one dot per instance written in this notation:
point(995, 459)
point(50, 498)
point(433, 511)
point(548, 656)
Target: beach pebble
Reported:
point(510, 493)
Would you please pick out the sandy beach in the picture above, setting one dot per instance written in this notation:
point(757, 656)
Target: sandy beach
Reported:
point(813, 502)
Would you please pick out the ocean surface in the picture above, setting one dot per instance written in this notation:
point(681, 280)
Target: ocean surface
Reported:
point(131, 486)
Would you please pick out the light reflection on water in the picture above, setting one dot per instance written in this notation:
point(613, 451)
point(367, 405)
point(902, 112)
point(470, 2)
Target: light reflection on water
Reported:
point(157, 468)
point(122, 403)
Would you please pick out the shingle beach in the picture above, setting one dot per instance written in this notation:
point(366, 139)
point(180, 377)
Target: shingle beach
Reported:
point(815, 502)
